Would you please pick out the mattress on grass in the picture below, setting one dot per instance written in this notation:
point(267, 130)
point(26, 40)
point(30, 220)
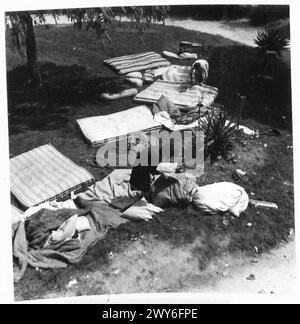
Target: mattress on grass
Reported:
point(137, 62)
point(101, 129)
point(44, 174)
point(182, 94)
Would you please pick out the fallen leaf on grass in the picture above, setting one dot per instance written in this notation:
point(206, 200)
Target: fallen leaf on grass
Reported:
point(251, 277)
point(72, 283)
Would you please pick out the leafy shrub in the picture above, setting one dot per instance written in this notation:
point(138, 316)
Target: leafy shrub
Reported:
point(219, 135)
point(271, 39)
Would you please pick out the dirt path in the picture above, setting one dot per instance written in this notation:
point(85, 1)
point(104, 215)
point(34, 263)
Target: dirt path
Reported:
point(239, 30)
point(271, 273)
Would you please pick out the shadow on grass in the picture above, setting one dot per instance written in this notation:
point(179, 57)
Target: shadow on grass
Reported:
point(64, 89)
point(236, 69)
point(233, 69)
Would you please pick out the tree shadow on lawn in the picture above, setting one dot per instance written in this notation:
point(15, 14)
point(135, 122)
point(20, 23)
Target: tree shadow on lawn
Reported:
point(65, 89)
point(236, 69)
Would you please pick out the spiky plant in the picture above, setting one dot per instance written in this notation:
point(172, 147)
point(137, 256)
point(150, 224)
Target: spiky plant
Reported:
point(272, 39)
point(219, 135)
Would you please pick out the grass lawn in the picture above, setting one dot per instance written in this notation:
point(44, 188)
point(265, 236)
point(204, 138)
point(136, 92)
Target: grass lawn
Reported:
point(173, 252)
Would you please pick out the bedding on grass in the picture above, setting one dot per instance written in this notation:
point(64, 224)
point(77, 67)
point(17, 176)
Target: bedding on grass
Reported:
point(44, 174)
point(137, 62)
point(51, 239)
point(100, 129)
point(182, 94)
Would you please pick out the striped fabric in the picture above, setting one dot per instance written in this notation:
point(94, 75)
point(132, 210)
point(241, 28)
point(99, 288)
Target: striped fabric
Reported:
point(44, 174)
point(137, 62)
point(181, 94)
point(182, 56)
point(100, 129)
point(148, 76)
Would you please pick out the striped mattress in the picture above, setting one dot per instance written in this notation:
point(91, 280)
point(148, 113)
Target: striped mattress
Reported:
point(137, 62)
point(102, 129)
point(181, 94)
point(44, 174)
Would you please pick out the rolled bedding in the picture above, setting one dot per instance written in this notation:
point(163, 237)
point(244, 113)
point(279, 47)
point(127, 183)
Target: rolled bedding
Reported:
point(189, 56)
point(134, 81)
point(123, 94)
point(221, 197)
point(137, 75)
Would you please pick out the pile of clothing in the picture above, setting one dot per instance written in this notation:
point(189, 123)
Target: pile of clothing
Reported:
point(54, 237)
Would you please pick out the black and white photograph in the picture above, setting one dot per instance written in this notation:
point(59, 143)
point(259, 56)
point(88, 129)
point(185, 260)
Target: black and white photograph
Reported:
point(149, 150)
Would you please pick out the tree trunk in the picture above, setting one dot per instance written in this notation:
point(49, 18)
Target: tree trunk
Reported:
point(31, 53)
point(225, 17)
point(78, 24)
